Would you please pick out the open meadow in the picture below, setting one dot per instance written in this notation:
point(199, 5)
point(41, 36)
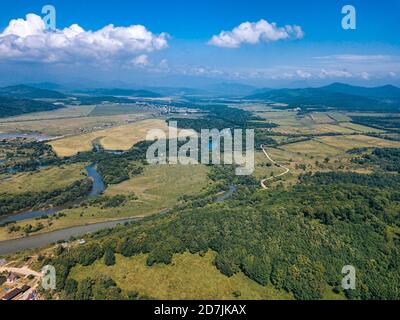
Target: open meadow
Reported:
point(74, 120)
point(47, 179)
point(176, 281)
point(121, 137)
point(157, 189)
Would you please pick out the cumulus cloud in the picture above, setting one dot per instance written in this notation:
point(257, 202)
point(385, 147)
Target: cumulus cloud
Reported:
point(255, 32)
point(303, 74)
point(365, 75)
point(27, 39)
point(141, 60)
point(334, 74)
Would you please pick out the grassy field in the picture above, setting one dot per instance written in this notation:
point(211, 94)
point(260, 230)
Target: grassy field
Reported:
point(359, 128)
point(312, 155)
point(68, 126)
point(262, 165)
point(72, 111)
point(321, 117)
point(314, 123)
point(157, 189)
point(117, 138)
point(113, 109)
point(188, 277)
point(74, 120)
point(45, 180)
point(339, 116)
point(358, 141)
point(160, 186)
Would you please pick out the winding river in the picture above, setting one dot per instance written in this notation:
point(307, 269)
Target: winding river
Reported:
point(97, 188)
point(44, 239)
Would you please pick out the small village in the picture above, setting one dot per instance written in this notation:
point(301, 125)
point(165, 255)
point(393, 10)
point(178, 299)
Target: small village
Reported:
point(18, 283)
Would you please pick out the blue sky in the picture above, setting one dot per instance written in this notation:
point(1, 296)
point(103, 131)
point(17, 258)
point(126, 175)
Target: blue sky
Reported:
point(179, 49)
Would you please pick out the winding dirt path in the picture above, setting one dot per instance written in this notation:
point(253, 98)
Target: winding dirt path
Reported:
point(287, 170)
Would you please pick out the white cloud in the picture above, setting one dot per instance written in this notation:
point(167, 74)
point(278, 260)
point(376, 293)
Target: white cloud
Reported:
point(365, 75)
point(141, 60)
point(303, 74)
point(255, 32)
point(334, 74)
point(27, 39)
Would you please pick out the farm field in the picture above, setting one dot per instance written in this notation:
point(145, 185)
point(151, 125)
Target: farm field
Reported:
point(359, 128)
point(68, 112)
point(314, 123)
point(74, 120)
point(113, 110)
point(357, 141)
point(68, 126)
point(117, 138)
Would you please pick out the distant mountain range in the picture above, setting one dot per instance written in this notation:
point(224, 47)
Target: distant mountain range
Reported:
point(13, 107)
point(337, 95)
point(387, 91)
point(124, 93)
point(28, 92)
point(21, 99)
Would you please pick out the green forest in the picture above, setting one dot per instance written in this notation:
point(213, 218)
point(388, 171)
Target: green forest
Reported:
point(295, 238)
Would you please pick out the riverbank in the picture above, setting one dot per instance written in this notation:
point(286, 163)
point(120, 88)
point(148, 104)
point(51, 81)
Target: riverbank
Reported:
point(97, 188)
point(45, 239)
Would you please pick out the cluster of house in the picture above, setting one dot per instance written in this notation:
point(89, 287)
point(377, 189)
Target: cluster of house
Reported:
point(18, 293)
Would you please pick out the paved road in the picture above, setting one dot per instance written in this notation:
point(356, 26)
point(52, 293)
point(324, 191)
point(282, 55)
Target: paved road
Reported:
point(287, 170)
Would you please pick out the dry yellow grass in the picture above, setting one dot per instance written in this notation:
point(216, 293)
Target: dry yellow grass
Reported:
point(121, 137)
point(359, 128)
point(313, 129)
point(357, 141)
point(118, 138)
point(44, 180)
point(61, 125)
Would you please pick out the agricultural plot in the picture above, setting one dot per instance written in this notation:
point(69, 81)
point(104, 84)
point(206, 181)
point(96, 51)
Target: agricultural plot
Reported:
point(117, 138)
point(68, 112)
point(68, 126)
point(338, 116)
point(359, 128)
point(116, 109)
point(357, 141)
point(74, 120)
point(313, 148)
point(321, 117)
